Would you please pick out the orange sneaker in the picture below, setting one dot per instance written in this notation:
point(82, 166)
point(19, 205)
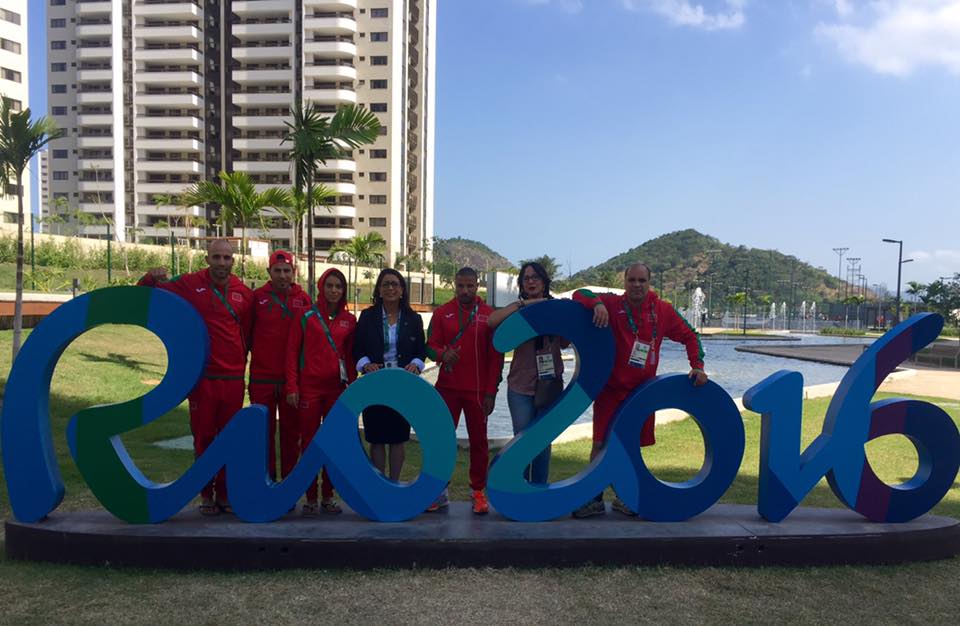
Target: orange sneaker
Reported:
point(480, 504)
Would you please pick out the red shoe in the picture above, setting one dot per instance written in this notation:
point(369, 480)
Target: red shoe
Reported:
point(480, 504)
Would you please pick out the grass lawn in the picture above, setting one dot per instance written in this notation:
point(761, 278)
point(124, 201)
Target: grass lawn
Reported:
point(111, 364)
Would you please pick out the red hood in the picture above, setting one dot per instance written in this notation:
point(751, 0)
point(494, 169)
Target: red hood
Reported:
point(322, 301)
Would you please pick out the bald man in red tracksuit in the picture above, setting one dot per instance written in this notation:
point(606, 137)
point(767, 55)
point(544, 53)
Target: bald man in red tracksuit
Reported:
point(225, 304)
point(277, 307)
point(318, 344)
point(461, 343)
point(640, 321)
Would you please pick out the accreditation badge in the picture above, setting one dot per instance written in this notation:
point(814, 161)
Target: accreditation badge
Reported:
point(343, 371)
point(390, 364)
point(545, 369)
point(639, 354)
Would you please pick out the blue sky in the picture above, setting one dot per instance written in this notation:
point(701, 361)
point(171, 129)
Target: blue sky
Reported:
point(581, 128)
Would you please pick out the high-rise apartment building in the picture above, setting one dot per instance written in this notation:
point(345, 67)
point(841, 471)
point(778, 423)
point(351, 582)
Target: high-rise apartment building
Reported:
point(13, 86)
point(157, 95)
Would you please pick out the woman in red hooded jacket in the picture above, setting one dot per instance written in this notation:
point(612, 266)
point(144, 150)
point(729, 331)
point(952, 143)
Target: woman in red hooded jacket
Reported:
point(319, 367)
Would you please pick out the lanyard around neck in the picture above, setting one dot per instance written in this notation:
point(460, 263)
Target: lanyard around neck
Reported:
point(633, 324)
point(464, 327)
point(386, 329)
point(223, 299)
point(283, 305)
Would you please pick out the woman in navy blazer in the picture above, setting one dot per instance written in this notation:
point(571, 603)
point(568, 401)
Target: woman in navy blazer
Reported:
point(389, 334)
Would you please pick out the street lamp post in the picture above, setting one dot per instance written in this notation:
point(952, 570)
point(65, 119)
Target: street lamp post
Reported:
point(899, 242)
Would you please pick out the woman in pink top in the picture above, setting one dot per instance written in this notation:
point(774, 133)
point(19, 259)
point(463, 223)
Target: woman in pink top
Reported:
point(532, 361)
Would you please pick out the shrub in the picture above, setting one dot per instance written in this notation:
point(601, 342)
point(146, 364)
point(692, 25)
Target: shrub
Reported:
point(842, 332)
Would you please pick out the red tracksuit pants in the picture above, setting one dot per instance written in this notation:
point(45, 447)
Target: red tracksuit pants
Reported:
point(469, 403)
point(271, 396)
point(605, 406)
point(313, 408)
point(212, 403)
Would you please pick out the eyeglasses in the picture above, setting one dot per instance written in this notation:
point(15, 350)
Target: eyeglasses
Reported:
point(390, 284)
point(532, 278)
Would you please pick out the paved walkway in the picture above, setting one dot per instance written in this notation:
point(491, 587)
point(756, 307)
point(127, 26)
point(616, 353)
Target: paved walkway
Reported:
point(836, 354)
point(926, 382)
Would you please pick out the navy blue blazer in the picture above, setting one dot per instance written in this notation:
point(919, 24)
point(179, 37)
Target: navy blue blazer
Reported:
point(368, 340)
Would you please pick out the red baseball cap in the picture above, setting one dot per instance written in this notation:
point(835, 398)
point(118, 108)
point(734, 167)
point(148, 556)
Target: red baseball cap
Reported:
point(281, 256)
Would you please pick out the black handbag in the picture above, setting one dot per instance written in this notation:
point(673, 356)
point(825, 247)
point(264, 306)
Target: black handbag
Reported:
point(547, 391)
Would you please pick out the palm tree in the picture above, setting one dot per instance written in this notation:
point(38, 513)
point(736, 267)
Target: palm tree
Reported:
point(240, 203)
point(297, 209)
point(362, 250)
point(314, 139)
point(20, 140)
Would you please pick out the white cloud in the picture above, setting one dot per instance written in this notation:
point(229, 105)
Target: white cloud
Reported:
point(729, 15)
point(898, 37)
point(567, 6)
point(933, 263)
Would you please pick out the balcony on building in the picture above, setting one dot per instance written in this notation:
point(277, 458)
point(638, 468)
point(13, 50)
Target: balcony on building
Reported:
point(85, 75)
point(170, 98)
point(339, 22)
point(262, 95)
point(188, 144)
point(94, 49)
point(167, 119)
point(279, 164)
point(259, 27)
point(246, 8)
point(168, 163)
point(330, 92)
point(329, 5)
point(86, 8)
point(159, 30)
point(95, 119)
point(187, 54)
point(329, 69)
point(254, 50)
point(333, 45)
point(261, 121)
point(179, 78)
point(256, 74)
point(186, 11)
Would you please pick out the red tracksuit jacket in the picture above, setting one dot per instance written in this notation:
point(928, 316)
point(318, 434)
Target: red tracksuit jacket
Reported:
point(480, 366)
point(271, 325)
point(669, 323)
point(228, 347)
point(311, 365)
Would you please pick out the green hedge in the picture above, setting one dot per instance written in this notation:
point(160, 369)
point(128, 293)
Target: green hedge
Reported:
point(57, 264)
point(841, 331)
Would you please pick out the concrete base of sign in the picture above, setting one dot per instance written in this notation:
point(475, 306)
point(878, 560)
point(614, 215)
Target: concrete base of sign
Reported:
point(724, 535)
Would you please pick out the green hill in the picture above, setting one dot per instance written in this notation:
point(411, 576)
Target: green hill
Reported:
point(449, 255)
point(685, 259)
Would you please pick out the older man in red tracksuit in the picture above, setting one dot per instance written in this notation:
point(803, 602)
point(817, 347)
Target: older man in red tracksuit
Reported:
point(277, 306)
point(461, 342)
point(640, 321)
point(225, 304)
point(320, 365)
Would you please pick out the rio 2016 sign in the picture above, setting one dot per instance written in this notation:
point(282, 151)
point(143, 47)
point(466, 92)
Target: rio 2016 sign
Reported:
point(786, 474)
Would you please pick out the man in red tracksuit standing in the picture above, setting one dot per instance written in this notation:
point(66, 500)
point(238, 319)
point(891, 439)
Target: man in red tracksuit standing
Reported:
point(640, 321)
point(225, 304)
point(319, 366)
point(461, 343)
point(277, 306)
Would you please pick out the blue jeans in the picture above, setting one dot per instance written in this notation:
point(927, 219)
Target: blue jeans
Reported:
point(523, 413)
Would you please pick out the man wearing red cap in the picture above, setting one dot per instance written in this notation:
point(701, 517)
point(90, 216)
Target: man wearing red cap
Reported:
point(225, 304)
point(277, 306)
